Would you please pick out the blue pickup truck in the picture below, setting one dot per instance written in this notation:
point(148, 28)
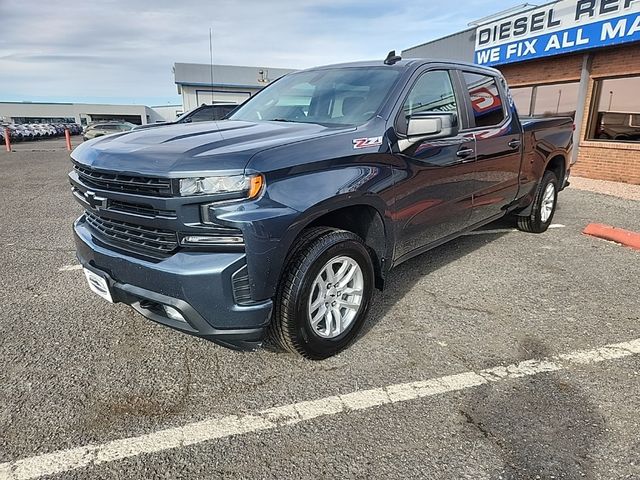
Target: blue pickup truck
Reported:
point(281, 220)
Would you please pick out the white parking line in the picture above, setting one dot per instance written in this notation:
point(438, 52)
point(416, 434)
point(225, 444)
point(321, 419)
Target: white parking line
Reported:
point(194, 433)
point(70, 268)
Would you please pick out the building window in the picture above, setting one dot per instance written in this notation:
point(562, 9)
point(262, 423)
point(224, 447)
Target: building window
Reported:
point(555, 100)
point(615, 114)
point(522, 98)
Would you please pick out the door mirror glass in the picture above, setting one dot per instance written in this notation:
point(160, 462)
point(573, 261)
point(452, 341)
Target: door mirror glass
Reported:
point(435, 125)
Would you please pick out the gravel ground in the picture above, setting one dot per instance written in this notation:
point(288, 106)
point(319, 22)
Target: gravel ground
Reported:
point(79, 371)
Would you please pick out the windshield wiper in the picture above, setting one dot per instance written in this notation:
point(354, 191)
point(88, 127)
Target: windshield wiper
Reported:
point(282, 120)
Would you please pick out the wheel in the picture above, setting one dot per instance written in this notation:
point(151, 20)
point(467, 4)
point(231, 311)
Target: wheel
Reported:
point(544, 206)
point(324, 296)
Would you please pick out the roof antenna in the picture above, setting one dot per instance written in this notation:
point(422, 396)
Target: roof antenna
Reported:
point(392, 58)
point(211, 64)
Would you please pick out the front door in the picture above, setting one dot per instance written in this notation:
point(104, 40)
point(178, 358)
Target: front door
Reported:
point(435, 184)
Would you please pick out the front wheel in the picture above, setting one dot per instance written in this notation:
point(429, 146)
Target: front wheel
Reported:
point(324, 296)
point(544, 206)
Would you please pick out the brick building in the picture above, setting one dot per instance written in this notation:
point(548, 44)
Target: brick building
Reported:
point(570, 57)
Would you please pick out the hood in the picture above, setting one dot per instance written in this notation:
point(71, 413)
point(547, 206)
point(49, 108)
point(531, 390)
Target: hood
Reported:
point(194, 149)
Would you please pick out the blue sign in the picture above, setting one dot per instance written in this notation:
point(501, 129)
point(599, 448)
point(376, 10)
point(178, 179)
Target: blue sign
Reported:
point(604, 33)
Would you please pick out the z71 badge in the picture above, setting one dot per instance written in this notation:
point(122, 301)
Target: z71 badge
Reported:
point(367, 142)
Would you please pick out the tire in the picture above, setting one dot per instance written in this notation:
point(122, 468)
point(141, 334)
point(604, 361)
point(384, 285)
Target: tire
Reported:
point(319, 250)
point(542, 212)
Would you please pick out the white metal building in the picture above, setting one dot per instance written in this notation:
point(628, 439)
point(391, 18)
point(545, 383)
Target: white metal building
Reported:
point(81, 113)
point(199, 83)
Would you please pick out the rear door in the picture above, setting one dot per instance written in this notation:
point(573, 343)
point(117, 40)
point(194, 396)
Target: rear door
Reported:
point(435, 185)
point(498, 138)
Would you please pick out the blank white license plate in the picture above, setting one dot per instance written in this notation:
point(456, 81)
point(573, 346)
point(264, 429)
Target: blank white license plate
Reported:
point(98, 285)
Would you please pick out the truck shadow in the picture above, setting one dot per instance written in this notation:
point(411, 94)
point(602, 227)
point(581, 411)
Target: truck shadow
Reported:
point(404, 277)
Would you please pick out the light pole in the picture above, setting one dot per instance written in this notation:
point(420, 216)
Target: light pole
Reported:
point(610, 100)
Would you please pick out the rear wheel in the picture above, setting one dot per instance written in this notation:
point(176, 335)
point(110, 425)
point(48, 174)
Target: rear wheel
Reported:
point(324, 296)
point(544, 206)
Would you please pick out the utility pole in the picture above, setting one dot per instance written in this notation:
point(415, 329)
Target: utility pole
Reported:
point(610, 100)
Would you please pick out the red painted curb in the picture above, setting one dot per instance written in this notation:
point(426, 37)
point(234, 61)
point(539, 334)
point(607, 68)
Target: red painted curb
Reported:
point(624, 237)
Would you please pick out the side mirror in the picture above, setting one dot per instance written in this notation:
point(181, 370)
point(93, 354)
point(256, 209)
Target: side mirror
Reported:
point(433, 125)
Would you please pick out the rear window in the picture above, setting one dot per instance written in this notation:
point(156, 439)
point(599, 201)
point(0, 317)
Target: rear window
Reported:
point(487, 103)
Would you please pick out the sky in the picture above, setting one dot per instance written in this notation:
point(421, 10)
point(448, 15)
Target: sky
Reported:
point(117, 51)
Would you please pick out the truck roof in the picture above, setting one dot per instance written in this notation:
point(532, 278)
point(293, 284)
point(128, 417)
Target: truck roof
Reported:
point(407, 63)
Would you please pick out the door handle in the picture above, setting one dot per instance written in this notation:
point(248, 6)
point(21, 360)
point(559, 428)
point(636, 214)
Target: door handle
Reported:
point(514, 144)
point(465, 153)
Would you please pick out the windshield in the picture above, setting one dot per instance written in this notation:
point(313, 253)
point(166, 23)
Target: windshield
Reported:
point(341, 96)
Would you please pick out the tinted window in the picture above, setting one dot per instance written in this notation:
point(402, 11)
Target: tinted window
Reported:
point(433, 92)
point(205, 114)
point(221, 111)
point(488, 107)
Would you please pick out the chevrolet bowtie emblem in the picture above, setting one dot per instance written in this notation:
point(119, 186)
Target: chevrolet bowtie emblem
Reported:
point(94, 201)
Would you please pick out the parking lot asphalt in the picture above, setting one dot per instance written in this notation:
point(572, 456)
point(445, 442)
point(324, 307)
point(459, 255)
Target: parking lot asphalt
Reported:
point(80, 372)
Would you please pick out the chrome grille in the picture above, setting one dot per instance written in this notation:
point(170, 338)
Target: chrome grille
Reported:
point(124, 183)
point(136, 238)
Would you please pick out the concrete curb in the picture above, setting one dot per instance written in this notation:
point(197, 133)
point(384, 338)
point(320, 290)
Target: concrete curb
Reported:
point(624, 237)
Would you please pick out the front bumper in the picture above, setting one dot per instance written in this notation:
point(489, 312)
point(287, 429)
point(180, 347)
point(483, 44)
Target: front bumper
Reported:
point(196, 284)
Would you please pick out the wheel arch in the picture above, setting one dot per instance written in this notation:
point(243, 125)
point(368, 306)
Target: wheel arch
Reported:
point(557, 163)
point(363, 216)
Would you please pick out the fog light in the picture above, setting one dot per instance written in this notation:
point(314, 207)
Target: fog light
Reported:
point(212, 240)
point(173, 314)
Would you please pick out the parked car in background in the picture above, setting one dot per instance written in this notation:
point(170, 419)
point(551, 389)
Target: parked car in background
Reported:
point(37, 131)
point(74, 128)
point(618, 126)
point(26, 132)
point(207, 113)
point(204, 113)
point(106, 128)
point(15, 134)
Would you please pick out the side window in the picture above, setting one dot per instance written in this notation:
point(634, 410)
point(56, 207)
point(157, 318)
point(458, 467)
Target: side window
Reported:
point(487, 103)
point(433, 92)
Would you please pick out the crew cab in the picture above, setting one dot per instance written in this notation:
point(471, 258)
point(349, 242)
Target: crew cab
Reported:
point(281, 220)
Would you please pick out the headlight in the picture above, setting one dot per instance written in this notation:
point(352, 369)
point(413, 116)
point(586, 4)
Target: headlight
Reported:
point(249, 186)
